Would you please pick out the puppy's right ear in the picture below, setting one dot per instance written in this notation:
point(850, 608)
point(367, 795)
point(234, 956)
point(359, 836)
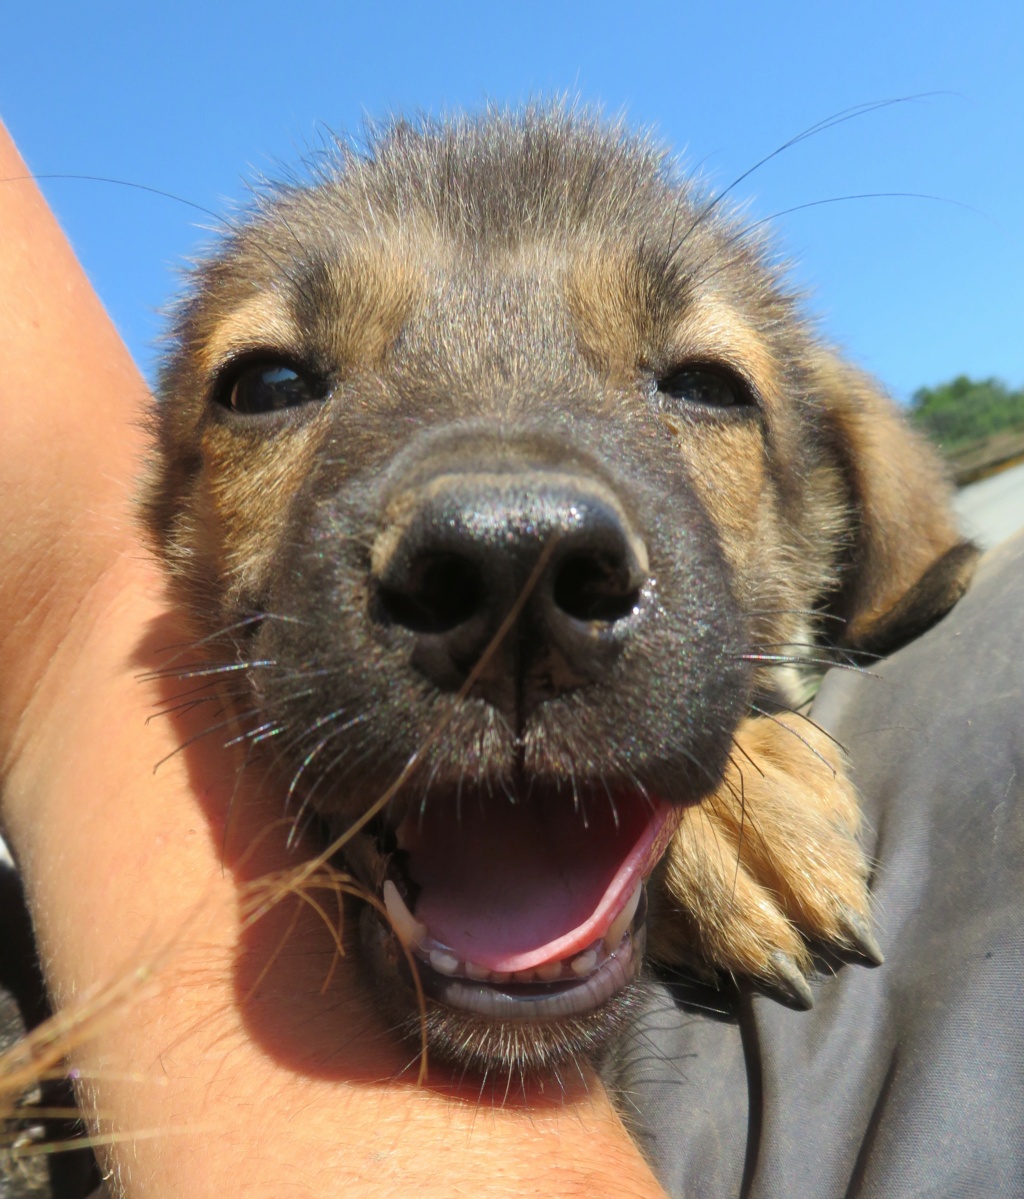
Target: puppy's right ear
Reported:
point(909, 563)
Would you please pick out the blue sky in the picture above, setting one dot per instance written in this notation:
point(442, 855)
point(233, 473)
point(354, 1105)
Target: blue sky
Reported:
point(196, 99)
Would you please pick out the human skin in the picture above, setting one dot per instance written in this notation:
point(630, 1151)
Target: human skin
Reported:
point(233, 1061)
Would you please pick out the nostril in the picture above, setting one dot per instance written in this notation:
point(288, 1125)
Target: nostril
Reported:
point(438, 593)
point(593, 587)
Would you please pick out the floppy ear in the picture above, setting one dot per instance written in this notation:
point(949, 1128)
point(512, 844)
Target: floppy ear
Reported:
point(908, 563)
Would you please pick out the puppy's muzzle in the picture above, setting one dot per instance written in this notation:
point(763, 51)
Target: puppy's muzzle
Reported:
point(518, 584)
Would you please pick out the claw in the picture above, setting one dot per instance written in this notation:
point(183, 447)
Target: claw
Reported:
point(857, 931)
point(789, 980)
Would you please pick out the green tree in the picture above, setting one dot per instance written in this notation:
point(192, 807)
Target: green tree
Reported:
point(966, 410)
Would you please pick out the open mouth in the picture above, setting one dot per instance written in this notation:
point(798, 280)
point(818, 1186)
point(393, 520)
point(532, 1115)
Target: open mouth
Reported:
point(527, 908)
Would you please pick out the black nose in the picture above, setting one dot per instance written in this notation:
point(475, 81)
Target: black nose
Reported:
point(539, 573)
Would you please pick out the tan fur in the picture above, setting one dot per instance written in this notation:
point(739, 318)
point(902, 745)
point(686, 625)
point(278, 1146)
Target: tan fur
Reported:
point(769, 860)
point(898, 536)
point(247, 510)
point(261, 320)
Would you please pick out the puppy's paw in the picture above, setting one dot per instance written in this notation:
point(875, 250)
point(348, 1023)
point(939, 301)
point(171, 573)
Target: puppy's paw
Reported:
point(768, 864)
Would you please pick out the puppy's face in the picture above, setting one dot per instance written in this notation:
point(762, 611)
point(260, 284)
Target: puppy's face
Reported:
point(500, 465)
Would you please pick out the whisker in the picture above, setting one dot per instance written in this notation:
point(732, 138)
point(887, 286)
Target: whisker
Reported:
point(315, 752)
point(814, 725)
point(189, 705)
point(205, 670)
point(737, 746)
point(837, 118)
point(142, 187)
point(801, 660)
point(257, 734)
point(814, 645)
point(743, 819)
point(233, 719)
point(611, 800)
point(866, 196)
point(803, 740)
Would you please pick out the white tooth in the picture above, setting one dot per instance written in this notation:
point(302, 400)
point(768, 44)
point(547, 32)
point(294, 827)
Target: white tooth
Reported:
point(443, 962)
point(523, 976)
point(475, 970)
point(407, 928)
point(624, 919)
point(550, 971)
point(584, 963)
point(402, 833)
point(500, 976)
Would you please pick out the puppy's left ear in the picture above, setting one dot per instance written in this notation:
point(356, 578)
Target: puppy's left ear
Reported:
point(908, 563)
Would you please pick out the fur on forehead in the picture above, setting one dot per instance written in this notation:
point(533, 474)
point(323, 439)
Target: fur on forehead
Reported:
point(495, 187)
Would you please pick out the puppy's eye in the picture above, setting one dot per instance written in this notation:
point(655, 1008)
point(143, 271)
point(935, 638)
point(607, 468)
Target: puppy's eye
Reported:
point(270, 387)
point(702, 387)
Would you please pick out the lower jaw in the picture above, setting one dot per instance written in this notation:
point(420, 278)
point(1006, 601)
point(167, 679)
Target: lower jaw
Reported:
point(525, 1029)
point(506, 1051)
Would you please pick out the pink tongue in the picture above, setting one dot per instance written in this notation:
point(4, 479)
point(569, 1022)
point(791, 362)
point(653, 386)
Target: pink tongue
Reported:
point(512, 886)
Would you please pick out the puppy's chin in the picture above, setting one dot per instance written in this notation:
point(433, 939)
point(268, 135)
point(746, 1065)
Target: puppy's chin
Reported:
point(503, 1030)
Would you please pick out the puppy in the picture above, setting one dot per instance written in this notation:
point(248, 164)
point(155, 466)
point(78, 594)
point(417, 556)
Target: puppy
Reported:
point(520, 506)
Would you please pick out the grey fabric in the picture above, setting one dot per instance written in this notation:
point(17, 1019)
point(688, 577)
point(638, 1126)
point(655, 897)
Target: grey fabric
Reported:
point(906, 1080)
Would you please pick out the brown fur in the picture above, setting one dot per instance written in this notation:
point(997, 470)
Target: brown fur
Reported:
point(490, 280)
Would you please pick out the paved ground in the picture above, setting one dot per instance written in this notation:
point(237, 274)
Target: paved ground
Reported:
point(994, 508)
